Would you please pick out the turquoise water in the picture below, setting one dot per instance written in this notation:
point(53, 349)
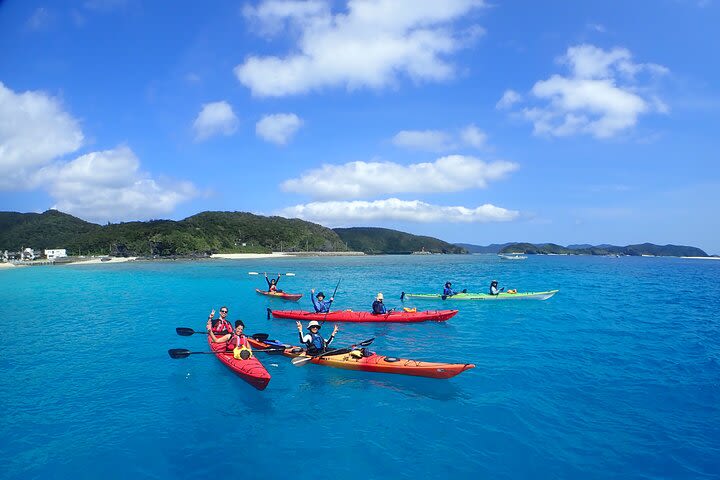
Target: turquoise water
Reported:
point(617, 376)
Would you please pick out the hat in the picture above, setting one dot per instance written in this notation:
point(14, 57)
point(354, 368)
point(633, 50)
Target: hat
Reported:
point(494, 282)
point(379, 296)
point(320, 294)
point(447, 284)
point(314, 323)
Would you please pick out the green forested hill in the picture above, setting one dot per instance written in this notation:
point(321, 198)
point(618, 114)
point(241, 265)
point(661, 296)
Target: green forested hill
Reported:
point(384, 240)
point(207, 232)
point(640, 249)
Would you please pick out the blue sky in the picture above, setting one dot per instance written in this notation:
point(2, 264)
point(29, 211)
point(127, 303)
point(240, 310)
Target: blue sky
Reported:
point(471, 121)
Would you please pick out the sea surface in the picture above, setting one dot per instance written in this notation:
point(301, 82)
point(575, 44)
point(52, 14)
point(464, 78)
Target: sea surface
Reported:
point(617, 376)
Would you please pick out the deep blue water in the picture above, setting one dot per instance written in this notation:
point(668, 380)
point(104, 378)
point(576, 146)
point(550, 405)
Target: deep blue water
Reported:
point(617, 376)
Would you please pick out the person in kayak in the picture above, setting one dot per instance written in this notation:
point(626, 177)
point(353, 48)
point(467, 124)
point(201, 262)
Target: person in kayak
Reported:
point(378, 307)
point(494, 288)
point(319, 302)
point(314, 342)
point(272, 284)
point(235, 341)
point(220, 325)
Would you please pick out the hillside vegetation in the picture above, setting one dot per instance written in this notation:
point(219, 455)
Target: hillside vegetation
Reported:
point(634, 250)
point(383, 240)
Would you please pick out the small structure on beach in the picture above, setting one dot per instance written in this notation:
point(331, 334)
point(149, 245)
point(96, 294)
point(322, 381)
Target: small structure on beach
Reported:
point(55, 253)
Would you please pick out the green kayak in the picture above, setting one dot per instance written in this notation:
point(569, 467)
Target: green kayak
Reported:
point(481, 296)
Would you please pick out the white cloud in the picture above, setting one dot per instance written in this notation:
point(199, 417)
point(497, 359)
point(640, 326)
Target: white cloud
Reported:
point(109, 186)
point(600, 97)
point(509, 98)
point(370, 45)
point(367, 179)
point(473, 136)
point(392, 209)
point(429, 140)
point(215, 118)
point(439, 141)
point(34, 130)
point(278, 128)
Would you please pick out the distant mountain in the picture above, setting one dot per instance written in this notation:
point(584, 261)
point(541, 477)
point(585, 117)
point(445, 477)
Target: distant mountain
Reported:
point(605, 249)
point(383, 240)
point(492, 248)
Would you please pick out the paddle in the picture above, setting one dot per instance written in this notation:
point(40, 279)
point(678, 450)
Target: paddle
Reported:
point(187, 332)
point(300, 361)
point(184, 353)
point(288, 274)
point(332, 299)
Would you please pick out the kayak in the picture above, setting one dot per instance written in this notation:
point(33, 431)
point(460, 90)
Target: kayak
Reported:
point(482, 296)
point(372, 362)
point(293, 297)
point(350, 316)
point(250, 370)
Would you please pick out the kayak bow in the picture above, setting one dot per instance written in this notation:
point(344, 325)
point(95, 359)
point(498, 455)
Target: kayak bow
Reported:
point(250, 370)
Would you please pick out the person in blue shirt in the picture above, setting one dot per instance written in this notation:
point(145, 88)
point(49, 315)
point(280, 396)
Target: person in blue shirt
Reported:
point(319, 303)
point(448, 291)
point(378, 307)
point(314, 342)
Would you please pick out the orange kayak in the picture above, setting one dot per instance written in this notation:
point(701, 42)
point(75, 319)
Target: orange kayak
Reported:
point(372, 362)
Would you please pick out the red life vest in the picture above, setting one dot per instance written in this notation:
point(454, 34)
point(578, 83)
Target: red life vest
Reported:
point(236, 342)
point(222, 326)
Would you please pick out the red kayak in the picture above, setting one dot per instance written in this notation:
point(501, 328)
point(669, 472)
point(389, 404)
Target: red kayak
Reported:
point(350, 316)
point(250, 370)
point(293, 297)
point(366, 361)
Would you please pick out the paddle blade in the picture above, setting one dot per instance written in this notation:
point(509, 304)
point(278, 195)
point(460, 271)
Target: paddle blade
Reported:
point(289, 274)
point(402, 296)
point(300, 361)
point(366, 342)
point(178, 353)
point(253, 273)
point(260, 337)
point(184, 331)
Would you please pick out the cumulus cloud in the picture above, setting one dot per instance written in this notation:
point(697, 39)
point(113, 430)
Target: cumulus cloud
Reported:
point(34, 130)
point(430, 140)
point(509, 98)
point(109, 186)
point(337, 213)
point(601, 96)
point(473, 136)
point(278, 128)
point(215, 118)
point(370, 179)
point(370, 45)
point(439, 141)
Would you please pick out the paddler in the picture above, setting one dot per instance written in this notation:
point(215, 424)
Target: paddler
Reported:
point(220, 325)
point(494, 288)
point(378, 307)
point(272, 284)
point(314, 342)
point(235, 342)
point(319, 302)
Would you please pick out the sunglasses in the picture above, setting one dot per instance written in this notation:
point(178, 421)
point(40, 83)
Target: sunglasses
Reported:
point(223, 311)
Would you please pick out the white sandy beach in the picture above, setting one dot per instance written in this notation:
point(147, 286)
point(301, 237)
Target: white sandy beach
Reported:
point(96, 260)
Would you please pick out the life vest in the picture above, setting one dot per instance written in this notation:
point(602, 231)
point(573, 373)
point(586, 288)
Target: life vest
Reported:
point(239, 344)
point(410, 310)
point(222, 326)
point(316, 341)
point(273, 288)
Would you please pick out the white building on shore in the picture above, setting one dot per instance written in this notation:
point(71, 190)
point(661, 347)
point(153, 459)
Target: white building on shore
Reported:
point(55, 253)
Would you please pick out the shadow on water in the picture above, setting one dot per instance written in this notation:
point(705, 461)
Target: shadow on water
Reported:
point(415, 387)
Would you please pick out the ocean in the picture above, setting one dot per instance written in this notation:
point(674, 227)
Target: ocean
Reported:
point(616, 376)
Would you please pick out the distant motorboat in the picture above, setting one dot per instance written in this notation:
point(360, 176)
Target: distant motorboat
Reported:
point(512, 256)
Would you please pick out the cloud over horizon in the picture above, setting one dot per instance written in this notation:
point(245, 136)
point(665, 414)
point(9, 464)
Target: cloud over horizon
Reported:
point(370, 45)
point(353, 180)
point(342, 213)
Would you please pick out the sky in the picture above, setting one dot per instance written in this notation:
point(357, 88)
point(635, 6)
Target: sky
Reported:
point(468, 120)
